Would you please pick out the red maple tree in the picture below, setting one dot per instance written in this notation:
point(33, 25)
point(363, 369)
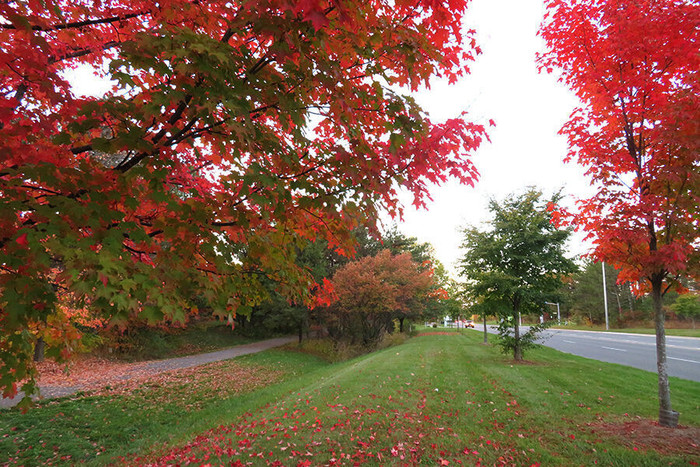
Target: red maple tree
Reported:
point(634, 64)
point(233, 131)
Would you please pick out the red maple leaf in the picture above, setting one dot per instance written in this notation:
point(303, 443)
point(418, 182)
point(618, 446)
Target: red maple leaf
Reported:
point(22, 240)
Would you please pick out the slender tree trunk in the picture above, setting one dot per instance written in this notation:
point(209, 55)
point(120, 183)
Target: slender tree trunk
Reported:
point(517, 349)
point(401, 324)
point(618, 291)
point(629, 298)
point(486, 334)
point(666, 415)
point(39, 350)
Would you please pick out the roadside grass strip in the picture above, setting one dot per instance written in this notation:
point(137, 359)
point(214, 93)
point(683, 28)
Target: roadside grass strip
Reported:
point(439, 399)
point(442, 400)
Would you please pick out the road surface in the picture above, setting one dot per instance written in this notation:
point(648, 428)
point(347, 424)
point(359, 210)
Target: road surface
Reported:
point(635, 350)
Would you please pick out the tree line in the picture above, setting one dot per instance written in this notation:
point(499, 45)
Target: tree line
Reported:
point(391, 283)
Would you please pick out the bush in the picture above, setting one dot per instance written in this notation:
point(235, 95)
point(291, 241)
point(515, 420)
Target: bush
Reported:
point(328, 349)
point(338, 351)
point(390, 340)
point(149, 343)
point(526, 340)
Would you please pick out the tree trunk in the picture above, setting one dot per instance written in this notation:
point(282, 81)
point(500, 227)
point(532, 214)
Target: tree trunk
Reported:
point(486, 334)
point(667, 417)
point(629, 298)
point(301, 330)
point(619, 304)
point(401, 324)
point(517, 349)
point(39, 350)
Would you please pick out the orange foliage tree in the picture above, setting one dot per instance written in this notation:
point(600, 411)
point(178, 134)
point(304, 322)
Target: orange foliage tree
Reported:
point(374, 291)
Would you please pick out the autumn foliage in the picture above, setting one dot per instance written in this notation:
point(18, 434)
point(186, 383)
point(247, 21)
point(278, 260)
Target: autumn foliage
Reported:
point(635, 67)
point(232, 131)
point(374, 291)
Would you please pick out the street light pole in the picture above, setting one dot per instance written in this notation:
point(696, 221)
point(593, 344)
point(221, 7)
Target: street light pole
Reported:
point(605, 298)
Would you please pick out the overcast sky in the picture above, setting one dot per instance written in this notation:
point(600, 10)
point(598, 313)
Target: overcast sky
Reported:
point(529, 109)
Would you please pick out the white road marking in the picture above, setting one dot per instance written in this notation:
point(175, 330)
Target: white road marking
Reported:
point(613, 348)
point(649, 341)
point(682, 359)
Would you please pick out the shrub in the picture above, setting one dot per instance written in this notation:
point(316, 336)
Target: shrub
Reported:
point(390, 340)
point(340, 350)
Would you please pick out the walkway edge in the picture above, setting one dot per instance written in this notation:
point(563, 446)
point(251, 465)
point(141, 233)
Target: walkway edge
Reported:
point(160, 366)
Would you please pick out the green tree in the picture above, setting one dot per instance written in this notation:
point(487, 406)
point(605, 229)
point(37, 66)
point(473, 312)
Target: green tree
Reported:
point(516, 264)
point(445, 297)
point(687, 306)
point(278, 314)
point(485, 308)
point(586, 294)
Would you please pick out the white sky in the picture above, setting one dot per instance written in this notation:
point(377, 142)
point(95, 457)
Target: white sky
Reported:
point(529, 109)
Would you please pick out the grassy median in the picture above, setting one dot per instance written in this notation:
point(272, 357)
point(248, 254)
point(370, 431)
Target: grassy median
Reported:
point(439, 399)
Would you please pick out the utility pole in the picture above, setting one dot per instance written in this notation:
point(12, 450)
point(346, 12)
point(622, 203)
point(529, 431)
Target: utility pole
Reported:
point(605, 298)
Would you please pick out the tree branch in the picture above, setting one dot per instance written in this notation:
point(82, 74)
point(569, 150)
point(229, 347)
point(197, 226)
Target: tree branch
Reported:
point(79, 24)
point(82, 52)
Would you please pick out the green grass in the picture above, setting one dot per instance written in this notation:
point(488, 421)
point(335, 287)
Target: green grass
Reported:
point(435, 398)
point(95, 429)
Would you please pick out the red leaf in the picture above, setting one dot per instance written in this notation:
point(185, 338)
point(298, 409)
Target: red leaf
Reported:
point(22, 240)
point(317, 18)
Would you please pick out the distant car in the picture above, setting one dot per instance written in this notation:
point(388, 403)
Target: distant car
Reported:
point(470, 324)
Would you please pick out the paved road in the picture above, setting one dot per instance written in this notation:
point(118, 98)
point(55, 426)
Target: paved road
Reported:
point(159, 366)
point(635, 350)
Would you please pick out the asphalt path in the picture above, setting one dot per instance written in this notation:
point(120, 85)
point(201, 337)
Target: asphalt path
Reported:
point(635, 350)
point(159, 366)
